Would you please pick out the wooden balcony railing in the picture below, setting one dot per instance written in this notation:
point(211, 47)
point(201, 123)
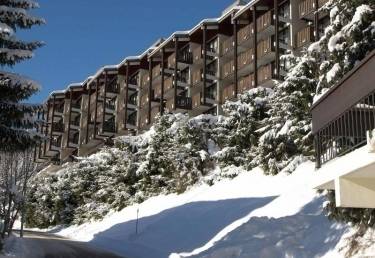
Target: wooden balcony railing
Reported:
point(196, 100)
point(156, 71)
point(182, 102)
point(144, 100)
point(305, 36)
point(306, 7)
point(185, 57)
point(245, 33)
point(197, 54)
point(56, 141)
point(145, 80)
point(196, 77)
point(265, 47)
point(109, 126)
point(228, 69)
point(229, 93)
point(265, 21)
point(245, 58)
point(227, 45)
point(168, 84)
point(246, 83)
point(157, 91)
point(58, 127)
point(171, 60)
point(265, 73)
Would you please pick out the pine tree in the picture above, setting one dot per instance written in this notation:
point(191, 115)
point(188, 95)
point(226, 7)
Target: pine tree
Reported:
point(15, 116)
point(287, 134)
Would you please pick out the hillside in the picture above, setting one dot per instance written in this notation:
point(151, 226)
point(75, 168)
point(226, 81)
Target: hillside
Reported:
point(252, 215)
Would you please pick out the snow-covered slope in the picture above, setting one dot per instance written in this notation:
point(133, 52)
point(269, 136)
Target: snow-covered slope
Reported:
point(252, 215)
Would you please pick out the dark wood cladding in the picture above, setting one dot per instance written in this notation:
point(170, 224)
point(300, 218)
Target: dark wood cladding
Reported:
point(305, 36)
point(350, 90)
point(264, 21)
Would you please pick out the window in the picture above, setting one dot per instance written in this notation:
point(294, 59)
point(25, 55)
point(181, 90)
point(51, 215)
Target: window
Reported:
point(284, 10)
point(284, 36)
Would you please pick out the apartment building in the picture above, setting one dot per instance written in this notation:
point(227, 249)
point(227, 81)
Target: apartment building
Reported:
point(343, 126)
point(193, 72)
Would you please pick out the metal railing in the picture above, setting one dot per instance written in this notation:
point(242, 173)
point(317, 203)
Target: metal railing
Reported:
point(347, 132)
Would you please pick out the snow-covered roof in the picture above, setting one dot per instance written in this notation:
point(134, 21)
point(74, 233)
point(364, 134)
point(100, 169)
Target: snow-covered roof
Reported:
point(244, 8)
point(103, 69)
point(145, 53)
point(175, 34)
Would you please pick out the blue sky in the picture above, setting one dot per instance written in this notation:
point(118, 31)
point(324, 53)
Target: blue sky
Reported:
point(83, 35)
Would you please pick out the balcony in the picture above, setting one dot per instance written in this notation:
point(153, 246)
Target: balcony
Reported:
point(245, 58)
point(185, 57)
point(76, 106)
point(343, 123)
point(59, 110)
point(266, 51)
point(305, 36)
point(197, 102)
point(266, 75)
point(227, 46)
point(109, 126)
point(145, 81)
point(110, 106)
point(246, 83)
point(306, 9)
point(75, 124)
point(144, 101)
point(265, 23)
point(58, 127)
point(182, 104)
point(229, 93)
point(156, 71)
point(157, 92)
point(197, 77)
point(74, 141)
point(197, 55)
point(228, 70)
point(56, 143)
point(245, 33)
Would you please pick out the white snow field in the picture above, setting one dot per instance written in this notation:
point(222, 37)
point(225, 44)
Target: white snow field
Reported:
point(252, 215)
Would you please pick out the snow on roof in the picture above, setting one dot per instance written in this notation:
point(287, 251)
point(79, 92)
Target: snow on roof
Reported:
point(145, 53)
point(103, 69)
point(244, 8)
point(171, 37)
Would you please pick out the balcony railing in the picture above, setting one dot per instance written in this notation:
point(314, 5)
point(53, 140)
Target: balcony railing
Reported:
point(305, 36)
point(168, 84)
point(265, 47)
point(74, 139)
point(75, 122)
point(228, 69)
point(306, 7)
point(156, 71)
point(197, 54)
point(265, 73)
point(76, 104)
point(56, 142)
point(227, 45)
point(265, 21)
point(113, 86)
point(109, 126)
point(196, 76)
point(110, 106)
point(246, 83)
point(182, 102)
point(157, 91)
point(145, 80)
point(185, 57)
point(144, 100)
point(245, 33)
point(58, 127)
point(344, 114)
point(245, 58)
point(229, 93)
point(59, 109)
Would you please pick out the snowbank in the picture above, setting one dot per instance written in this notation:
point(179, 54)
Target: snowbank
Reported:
point(253, 214)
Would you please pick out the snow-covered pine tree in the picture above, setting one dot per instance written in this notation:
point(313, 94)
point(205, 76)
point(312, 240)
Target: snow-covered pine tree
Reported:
point(237, 133)
point(346, 41)
point(15, 116)
point(287, 134)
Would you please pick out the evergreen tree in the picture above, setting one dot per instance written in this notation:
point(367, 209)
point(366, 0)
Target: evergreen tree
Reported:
point(287, 134)
point(15, 116)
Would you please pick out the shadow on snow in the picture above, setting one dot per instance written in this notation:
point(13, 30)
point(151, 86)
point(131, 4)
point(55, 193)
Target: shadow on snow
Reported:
point(178, 229)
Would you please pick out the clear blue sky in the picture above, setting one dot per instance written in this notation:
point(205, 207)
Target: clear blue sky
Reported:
point(83, 35)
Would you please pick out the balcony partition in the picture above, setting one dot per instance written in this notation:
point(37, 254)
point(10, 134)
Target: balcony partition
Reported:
point(245, 58)
point(305, 36)
point(246, 83)
point(265, 47)
point(229, 92)
point(265, 21)
point(227, 45)
point(228, 69)
point(245, 33)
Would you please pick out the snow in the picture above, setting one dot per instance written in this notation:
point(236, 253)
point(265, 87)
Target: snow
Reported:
point(333, 72)
point(281, 214)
